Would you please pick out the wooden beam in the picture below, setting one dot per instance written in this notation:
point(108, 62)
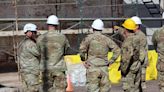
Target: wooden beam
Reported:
point(85, 31)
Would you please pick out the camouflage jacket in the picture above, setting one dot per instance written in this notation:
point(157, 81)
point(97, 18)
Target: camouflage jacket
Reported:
point(98, 45)
point(28, 56)
point(52, 46)
point(142, 42)
point(143, 47)
point(130, 54)
point(158, 41)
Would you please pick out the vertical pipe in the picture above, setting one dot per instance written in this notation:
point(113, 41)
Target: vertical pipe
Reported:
point(112, 11)
point(162, 4)
point(15, 41)
point(56, 7)
point(16, 16)
point(81, 13)
point(79, 3)
point(137, 13)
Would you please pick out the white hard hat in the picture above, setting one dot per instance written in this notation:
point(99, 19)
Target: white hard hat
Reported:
point(136, 19)
point(98, 24)
point(29, 27)
point(53, 20)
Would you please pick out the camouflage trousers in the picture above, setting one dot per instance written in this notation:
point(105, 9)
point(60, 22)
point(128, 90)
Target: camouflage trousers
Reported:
point(30, 82)
point(143, 78)
point(160, 68)
point(54, 81)
point(132, 82)
point(97, 79)
point(144, 65)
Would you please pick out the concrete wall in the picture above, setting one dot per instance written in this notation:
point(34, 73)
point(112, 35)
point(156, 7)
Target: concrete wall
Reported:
point(44, 8)
point(91, 9)
point(36, 8)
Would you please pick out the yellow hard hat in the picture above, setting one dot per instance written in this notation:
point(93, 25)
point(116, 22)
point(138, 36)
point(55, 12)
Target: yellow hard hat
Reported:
point(129, 24)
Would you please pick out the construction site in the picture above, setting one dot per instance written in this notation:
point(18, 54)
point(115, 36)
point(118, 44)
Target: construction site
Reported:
point(75, 18)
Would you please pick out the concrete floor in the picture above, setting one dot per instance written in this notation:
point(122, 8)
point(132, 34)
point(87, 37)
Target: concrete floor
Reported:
point(152, 86)
point(10, 83)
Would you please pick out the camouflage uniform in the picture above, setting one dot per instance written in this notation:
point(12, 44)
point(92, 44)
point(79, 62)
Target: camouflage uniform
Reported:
point(96, 46)
point(143, 56)
point(52, 46)
point(158, 40)
point(130, 64)
point(29, 65)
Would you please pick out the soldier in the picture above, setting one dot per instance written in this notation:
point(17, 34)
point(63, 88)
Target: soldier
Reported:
point(143, 50)
point(130, 64)
point(29, 59)
point(52, 46)
point(158, 41)
point(94, 49)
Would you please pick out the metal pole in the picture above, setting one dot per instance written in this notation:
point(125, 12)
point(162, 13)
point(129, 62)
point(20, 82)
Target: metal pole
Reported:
point(80, 2)
point(137, 14)
point(9, 20)
point(112, 10)
point(15, 42)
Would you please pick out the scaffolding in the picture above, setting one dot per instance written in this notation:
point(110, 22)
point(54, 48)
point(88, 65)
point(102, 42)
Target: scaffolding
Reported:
point(73, 14)
point(75, 19)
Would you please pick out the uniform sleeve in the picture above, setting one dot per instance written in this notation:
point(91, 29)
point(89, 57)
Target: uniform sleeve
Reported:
point(84, 47)
point(127, 53)
point(143, 58)
point(40, 48)
point(115, 49)
point(143, 49)
point(38, 42)
point(67, 46)
point(33, 49)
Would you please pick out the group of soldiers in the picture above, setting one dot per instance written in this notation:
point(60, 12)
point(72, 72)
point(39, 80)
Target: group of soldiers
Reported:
point(42, 66)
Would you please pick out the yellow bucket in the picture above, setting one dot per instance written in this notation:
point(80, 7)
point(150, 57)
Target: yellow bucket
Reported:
point(74, 59)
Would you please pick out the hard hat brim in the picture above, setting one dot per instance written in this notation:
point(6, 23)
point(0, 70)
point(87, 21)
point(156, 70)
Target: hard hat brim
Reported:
point(128, 27)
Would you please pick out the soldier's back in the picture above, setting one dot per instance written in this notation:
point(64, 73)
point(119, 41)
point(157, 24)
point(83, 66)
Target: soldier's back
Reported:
point(98, 45)
point(130, 51)
point(52, 45)
point(142, 37)
point(28, 55)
